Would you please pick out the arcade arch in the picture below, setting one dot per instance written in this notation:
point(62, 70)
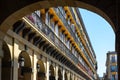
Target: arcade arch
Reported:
point(24, 66)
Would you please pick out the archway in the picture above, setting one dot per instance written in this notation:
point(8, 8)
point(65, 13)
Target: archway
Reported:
point(40, 70)
point(26, 7)
point(23, 11)
point(6, 63)
point(51, 73)
point(24, 68)
point(59, 75)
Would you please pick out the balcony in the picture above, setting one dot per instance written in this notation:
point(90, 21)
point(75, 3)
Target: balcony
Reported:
point(61, 16)
point(45, 29)
point(40, 35)
point(72, 12)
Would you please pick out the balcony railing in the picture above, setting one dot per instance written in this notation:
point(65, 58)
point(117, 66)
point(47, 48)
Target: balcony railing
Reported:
point(45, 29)
point(72, 12)
point(61, 16)
point(41, 26)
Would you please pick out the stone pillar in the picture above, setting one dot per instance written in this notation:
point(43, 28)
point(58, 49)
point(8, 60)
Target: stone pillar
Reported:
point(63, 74)
point(16, 53)
point(1, 52)
point(75, 77)
point(118, 51)
point(72, 76)
point(1, 43)
point(47, 70)
point(68, 75)
point(56, 72)
point(34, 67)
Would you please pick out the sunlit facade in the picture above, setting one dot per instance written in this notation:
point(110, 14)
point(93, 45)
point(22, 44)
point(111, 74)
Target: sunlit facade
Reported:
point(111, 66)
point(49, 44)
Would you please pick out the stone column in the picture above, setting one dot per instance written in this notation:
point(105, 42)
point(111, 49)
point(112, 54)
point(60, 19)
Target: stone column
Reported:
point(68, 75)
point(34, 67)
point(1, 51)
point(47, 72)
point(16, 53)
point(72, 76)
point(63, 74)
point(75, 77)
point(118, 51)
point(56, 72)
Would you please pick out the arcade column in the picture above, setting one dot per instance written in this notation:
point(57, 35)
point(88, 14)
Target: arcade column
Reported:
point(1, 51)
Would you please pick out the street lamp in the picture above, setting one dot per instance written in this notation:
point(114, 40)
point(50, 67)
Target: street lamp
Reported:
point(38, 67)
point(21, 61)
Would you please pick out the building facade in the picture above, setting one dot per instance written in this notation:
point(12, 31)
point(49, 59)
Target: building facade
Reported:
point(49, 44)
point(111, 66)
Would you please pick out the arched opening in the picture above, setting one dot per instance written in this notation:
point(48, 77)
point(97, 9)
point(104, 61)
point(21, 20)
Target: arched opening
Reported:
point(66, 77)
point(59, 75)
point(40, 70)
point(69, 4)
point(26, 7)
point(51, 73)
point(6, 63)
point(24, 68)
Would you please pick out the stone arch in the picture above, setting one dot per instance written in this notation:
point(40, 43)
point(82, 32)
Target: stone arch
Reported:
point(26, 7)
point(51, 72)
point(40, 70)
point(6, 63)
point(24, 68)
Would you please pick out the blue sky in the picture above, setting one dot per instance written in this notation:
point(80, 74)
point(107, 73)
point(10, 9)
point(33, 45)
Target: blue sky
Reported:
point(101, 36)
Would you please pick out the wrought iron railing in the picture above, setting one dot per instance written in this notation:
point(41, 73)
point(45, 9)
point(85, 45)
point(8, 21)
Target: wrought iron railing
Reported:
point(70, 8)
point(41, 26)
point(61, 16)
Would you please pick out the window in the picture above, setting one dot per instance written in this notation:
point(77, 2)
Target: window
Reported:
point(73, 50)
point(68, 43)
point(113, 68)
point(57, 11)
point(31, 18)
point(73, 27)
point(37, 12)
point(69, 21)
point(61, 9)
point(116, 58)
point(47, 20)
point(112, 59)
point(52, 25)
point(61, 36)
point(112, 77)
point(56, 30)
